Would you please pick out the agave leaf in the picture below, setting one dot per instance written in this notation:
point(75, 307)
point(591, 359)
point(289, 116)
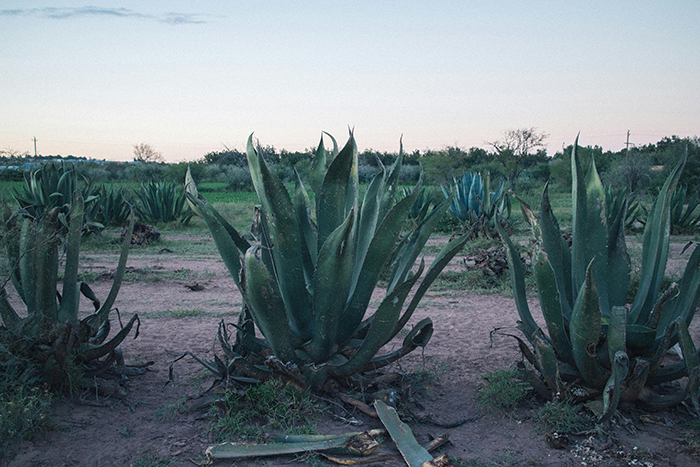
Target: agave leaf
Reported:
point(595, 241)
point(279, 214)
point(579, 221)
point(106, 307)
point(613, 388)
point(419, 336)
point(27, 245)
point(46, 272)
point(337, 188)
point(517, 280)
point(407, 255)
point(331, 288)
point(240, 451)
point(655, 249)
point(655, 401)
point(558, 253)
point(367, 224)
point(546, 362)
point(585, 328)
point(308, 230)
point(318, 168)
point(691, 359)
point(68, 310)
point(551, 303)
point(413, 453)
point(684, 303)
point(88, 352)
point(382, 323)
point(379, 251)
point(640, 339)
point(267, 306)
point(617, 332)
point(618, 273)
point(441, 260)
point(225, 243)
point(391, 183)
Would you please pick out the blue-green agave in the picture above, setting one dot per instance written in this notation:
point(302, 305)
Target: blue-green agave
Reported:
point(475, 204)
point(307, 280)
point(593, 337)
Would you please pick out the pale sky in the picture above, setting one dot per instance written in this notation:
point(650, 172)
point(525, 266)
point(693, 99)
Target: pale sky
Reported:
point(93, 79)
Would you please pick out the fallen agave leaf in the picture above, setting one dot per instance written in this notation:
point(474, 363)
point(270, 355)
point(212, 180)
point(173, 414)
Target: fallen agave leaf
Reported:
point(357, 443)
point(413, 453)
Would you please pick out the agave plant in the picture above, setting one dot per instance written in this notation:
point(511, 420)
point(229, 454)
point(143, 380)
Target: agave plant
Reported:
point(685, 213)
point(50, 334)
point(110, 207)
point(307, 283)
point(615, 201)
point(52, 185)
point(162, 202)
point(421, 206)
point(474, 203)
point(593, 337)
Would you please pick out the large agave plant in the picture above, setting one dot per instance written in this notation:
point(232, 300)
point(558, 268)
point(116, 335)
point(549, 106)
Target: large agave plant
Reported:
point(593, 337)
point(307, 282)
point(50, 334)
point(162, 202)
point(475, 204)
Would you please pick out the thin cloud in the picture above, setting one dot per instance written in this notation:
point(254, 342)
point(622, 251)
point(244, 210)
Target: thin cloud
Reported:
point(85, 11)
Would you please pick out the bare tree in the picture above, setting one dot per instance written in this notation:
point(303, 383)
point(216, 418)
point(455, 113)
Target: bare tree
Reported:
point(517, 150)
point(145, 153)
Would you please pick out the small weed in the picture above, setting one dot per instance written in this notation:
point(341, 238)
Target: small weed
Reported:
point(502, 390)
point(152, 459)
point(168, 412)
point(561, 416)
point(267, 406)
point(428, 375)
point(126, 432)
point(88, 276)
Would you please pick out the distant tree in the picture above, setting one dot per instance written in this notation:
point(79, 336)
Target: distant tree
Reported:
point(632, 171)
point(145, 153)
point(517, 150)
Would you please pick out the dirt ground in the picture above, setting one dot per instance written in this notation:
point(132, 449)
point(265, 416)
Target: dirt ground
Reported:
point(120, 432)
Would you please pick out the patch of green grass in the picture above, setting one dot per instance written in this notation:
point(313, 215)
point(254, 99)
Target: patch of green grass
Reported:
point(472, 282)
point(561, 416)
point(154, 275)
point(267, 406)
point(503, 390)
point(168, 412)
point(25, 411)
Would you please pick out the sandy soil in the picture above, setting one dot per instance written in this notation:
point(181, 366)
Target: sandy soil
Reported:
point(112, 432)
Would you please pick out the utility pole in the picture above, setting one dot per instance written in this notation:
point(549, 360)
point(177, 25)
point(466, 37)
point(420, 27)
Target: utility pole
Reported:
point(628, 144)
point(35, 147)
